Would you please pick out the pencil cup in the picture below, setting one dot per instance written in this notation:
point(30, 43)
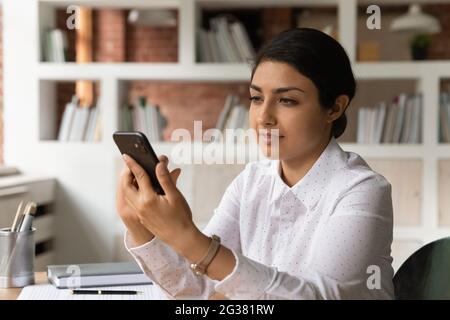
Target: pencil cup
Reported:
point(16, 258)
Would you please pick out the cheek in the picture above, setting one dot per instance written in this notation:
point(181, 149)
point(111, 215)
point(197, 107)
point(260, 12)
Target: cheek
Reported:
point(302, 120)
point(304, 126)
point(252, 118)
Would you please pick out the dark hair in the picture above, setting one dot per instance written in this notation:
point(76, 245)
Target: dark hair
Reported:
point(320, 58)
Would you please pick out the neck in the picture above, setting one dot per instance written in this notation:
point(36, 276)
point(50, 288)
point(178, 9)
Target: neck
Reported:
point(294, 169)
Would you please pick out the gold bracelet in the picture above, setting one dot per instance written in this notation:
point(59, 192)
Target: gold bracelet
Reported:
point(200, 267)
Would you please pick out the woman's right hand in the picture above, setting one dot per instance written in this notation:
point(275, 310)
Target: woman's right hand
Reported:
point(127, 212)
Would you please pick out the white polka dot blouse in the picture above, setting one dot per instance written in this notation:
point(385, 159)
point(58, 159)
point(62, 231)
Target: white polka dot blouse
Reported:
point(327, 237)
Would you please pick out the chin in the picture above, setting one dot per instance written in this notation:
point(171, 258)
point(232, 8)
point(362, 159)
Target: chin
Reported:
point(270, 152)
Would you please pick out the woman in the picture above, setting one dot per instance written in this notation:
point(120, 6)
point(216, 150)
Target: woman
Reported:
point(316, 223)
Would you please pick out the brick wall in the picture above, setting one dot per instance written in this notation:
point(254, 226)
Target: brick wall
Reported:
point(109, 35)
point(182, 103)
point(151, 44)
point(276, 20)
point(440, 44)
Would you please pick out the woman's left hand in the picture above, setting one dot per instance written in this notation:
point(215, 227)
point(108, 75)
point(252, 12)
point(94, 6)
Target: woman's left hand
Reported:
point(167, 216)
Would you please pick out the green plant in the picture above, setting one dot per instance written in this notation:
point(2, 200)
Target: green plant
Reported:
point(420, 41)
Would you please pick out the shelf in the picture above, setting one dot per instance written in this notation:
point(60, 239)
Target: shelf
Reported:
point(400, 70)
point(385, 150)
point(65, 149)
point(74, 144)
point(417, 233)
point(115, 3)
point(379, 152)
point(199, 151)
point(222, 4)
point(223, 71)
point(144, 71)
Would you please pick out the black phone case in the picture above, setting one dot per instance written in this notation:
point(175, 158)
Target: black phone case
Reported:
point(136, 145)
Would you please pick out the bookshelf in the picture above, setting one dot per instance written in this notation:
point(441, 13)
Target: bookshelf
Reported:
point(88, 172)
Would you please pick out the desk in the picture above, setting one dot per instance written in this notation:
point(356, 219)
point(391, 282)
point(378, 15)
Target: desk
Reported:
point(41, 277)
point(13, 293)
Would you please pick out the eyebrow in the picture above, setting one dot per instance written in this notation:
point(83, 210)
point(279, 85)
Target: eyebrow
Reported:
point(277, 90)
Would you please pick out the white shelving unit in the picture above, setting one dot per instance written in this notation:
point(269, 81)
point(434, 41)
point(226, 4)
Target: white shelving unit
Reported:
point(86, 172)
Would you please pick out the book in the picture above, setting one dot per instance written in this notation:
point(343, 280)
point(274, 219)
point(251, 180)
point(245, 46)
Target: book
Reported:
point(230, 100)
point(67, 119)
point(400, 119)
point(80, 121)
point(96, 275)
point(380, 121)
point(415, 133)
point(92, 122)
point(55, 45)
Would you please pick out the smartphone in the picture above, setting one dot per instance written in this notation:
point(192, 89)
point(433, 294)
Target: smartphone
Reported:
point(136, 145)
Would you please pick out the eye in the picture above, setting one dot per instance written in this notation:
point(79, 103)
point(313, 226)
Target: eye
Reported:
point(255, 99)
point(288, 101)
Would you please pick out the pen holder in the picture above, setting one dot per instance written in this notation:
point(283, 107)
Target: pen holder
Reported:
point(17, 251)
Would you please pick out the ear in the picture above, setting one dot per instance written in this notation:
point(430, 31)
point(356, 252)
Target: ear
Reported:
point(338, 108)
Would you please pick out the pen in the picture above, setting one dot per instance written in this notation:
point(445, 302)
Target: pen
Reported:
point(28, 216)
point(17, 218)
point(105, 292)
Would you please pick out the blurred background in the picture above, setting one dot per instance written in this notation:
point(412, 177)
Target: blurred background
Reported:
point(73, 72)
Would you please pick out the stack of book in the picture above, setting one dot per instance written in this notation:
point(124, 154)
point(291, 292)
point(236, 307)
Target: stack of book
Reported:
point(234, 115)
point(144, 117)
point(80, 123)
point(55, 46)
point(444, 116)
point(226, 41)
point(397, 122)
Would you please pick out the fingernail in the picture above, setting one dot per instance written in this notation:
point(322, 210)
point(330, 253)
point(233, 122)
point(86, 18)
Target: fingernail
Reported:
point(125, 157)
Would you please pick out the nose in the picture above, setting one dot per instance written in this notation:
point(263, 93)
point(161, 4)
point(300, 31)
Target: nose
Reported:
point(266, 116)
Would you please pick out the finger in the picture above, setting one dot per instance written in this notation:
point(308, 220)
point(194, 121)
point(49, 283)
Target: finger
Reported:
point(165, 180)
point(141, 176)
point(127, 189)
point(163, 158)
point(127, 178)
point(174, 175)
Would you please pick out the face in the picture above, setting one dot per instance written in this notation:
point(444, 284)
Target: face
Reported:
point(283, 99)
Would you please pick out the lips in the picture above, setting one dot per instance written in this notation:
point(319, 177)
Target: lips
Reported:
point(268, 137)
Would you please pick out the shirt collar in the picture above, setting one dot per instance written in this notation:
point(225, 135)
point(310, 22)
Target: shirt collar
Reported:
point(311, 187)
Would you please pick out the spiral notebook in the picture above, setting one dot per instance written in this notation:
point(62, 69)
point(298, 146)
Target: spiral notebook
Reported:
point(49, 292)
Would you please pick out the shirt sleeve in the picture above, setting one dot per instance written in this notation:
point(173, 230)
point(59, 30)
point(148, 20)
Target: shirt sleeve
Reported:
point(351, 257)
point(171, 271)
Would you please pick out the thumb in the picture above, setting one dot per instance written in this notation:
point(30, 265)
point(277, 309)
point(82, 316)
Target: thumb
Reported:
point(165, 180)
point(174, 175)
